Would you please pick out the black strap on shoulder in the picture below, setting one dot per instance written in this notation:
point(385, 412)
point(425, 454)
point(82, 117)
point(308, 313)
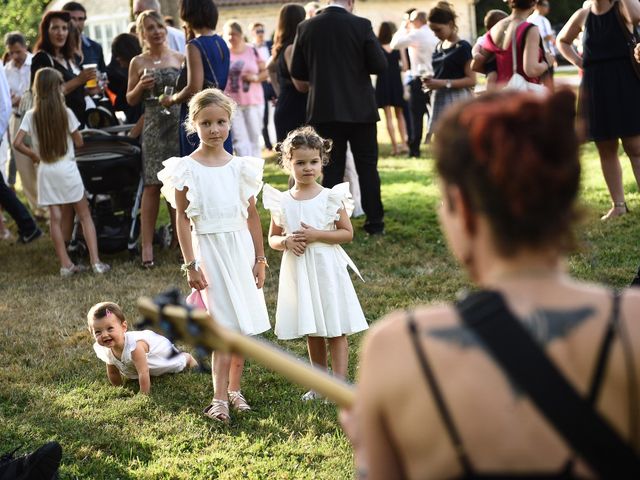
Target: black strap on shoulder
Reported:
point(605, 348)
point(526, 363)
point(432, 383)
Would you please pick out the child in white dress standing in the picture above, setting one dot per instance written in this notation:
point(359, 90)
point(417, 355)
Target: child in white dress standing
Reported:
point(136, 354)
point(220, 236)
point(316, 298)
point(54, 130)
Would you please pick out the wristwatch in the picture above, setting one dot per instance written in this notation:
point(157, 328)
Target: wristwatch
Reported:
point(448, 84)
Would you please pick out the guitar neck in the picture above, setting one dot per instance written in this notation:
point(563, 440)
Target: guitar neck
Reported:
point(213, 337)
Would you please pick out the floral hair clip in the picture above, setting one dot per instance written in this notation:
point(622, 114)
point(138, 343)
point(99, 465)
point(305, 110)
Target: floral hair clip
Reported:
point(107, 312)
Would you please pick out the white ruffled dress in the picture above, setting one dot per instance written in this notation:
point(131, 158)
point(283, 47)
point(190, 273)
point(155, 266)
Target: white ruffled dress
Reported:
point(162, 358)
point(218, 201)
point(315, 293)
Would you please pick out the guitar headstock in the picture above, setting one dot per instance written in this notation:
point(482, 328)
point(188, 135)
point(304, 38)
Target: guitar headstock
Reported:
point(168, 315)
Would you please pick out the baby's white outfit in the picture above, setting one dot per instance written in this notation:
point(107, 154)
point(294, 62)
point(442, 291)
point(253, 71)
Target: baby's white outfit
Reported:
point(218, 201)
point(315, 293)
point(162, 358)
point(58, 182)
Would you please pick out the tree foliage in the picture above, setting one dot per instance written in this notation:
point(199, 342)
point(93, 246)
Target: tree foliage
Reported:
point(22, 15)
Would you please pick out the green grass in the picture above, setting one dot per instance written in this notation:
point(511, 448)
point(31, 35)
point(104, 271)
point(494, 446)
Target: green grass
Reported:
point(53, 387)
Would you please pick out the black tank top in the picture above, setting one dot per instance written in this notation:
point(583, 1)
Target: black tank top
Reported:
point(469, 471)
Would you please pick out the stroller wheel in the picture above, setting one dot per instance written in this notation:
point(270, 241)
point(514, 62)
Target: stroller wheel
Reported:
point(77, 250)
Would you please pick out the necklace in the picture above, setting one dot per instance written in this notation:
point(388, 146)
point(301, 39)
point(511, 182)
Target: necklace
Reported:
point(158, 61)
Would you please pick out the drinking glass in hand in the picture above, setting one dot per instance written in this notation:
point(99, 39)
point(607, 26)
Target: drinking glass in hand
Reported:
point(168, 91)
point(152, 72)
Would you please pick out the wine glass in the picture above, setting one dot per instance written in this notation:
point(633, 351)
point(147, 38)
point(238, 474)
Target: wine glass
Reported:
point(423, 74)
point(168, 91)
point(152, 72)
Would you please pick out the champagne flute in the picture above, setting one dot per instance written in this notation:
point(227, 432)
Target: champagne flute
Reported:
point(168, 91)
point(423, 75)
point(152, 72)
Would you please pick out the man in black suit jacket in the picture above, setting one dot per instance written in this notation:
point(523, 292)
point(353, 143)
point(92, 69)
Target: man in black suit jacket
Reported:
point(334, 54)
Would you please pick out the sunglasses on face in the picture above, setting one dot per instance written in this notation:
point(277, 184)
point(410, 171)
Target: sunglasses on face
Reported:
point(258, 32)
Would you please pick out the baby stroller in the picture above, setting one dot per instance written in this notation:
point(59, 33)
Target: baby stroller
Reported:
point(111, 170)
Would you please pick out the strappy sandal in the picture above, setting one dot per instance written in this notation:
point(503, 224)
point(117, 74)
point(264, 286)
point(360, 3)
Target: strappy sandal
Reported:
point(238, 402)
point(218, 410)
point(617, 210)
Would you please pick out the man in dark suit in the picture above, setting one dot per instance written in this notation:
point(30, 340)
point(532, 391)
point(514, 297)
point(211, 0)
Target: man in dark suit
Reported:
point(334, 54)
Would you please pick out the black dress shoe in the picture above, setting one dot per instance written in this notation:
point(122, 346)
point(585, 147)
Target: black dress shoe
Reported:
point(36, 234)
point(42, 464)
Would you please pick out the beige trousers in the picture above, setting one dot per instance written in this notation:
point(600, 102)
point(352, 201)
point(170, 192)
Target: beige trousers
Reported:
point(26, 169)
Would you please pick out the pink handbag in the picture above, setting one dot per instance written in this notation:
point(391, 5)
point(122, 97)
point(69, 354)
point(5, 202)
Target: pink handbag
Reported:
point(195, 299)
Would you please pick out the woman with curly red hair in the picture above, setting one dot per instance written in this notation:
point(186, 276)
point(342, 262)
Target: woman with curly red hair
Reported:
point(534, 374)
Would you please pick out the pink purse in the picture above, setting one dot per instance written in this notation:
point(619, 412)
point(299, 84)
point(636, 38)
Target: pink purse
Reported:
point(195, 299)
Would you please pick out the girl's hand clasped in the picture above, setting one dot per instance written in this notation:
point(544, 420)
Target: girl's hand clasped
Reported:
point(196, 279)
point(295, 243)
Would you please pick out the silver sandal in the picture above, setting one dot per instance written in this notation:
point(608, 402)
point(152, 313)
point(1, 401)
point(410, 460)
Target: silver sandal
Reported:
point(218, 410)
point(238, 402)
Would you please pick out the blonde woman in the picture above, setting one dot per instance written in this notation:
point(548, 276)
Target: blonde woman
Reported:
point(244, 86)
point(150, 72)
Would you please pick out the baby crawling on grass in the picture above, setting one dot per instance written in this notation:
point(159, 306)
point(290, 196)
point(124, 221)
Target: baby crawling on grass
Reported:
point(135, 354)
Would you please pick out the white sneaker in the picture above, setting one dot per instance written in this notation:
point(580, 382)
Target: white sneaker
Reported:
point(72, 270)
point(100, 267)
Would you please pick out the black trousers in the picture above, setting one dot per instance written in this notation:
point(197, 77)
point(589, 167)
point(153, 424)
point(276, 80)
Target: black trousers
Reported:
point(363, 139)
point(418, 104)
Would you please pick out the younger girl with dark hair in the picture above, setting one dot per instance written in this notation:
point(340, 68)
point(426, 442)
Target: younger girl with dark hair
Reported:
point(316, 298)
point(453, 79)
point(479, 373)
point(53, 129)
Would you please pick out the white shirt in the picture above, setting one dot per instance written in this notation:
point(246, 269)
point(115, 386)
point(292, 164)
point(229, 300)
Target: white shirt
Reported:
point(544, 26)
point(420, 43)
point(5, 104)
point(19, 78)
point(176, 39)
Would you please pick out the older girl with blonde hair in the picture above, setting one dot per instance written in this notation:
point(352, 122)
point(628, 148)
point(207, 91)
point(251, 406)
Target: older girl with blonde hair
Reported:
point(53, 129)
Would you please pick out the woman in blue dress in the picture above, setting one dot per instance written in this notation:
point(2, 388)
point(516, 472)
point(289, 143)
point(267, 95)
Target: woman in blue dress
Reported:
point(206, 65)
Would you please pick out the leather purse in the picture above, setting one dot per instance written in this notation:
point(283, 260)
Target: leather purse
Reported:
point(517, 82)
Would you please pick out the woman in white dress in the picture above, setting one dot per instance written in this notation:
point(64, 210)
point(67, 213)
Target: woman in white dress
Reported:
point(316, 298)
point(220, 236)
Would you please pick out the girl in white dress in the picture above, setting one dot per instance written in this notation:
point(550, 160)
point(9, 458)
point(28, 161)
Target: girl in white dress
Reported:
point(316, 298)
point(220, 236)
point(53, 129)
point(138, 354)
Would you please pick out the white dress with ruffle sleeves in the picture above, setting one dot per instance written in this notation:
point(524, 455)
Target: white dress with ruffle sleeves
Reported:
point(218, 201)
point(315, 293)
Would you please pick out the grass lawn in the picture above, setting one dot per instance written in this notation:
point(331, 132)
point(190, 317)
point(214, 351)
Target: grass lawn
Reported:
point(53, 387)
